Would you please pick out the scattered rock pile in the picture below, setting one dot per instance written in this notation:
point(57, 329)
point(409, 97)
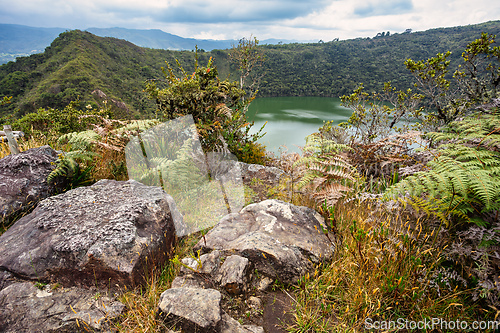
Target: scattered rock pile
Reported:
point(102, 236)
point(92, 241)
point(243, 254)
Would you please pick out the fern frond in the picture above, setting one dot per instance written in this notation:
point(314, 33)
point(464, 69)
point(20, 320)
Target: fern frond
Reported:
point(66, 168)
point(307, 178)
point(316, 143)
point(81, 155)
point(80, 140)
point(431, 208)
point(331, 193)
point(465, 177)
point(323, 168)
point(137, 126)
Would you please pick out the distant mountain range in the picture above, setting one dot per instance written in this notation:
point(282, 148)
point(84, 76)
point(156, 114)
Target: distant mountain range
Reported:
point(27, 40)
point(19, 40)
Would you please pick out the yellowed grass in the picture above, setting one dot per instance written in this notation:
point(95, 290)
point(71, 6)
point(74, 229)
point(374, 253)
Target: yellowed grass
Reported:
point(381, 271)
point(142, 303)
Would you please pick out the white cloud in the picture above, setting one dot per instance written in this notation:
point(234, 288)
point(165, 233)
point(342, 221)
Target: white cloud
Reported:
point(230, 19)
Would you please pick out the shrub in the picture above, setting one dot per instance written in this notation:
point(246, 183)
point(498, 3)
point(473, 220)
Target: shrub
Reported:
point(217, 107)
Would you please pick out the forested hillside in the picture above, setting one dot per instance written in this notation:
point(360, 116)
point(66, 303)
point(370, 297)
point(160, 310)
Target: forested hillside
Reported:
point(78, 63)
point(336, 68)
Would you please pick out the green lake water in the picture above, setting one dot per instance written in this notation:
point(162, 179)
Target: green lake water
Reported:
point(291, 119)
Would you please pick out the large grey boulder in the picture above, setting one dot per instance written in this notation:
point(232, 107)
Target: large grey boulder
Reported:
point(23, 181)
point(281, 240)
point(106, 234)
point(25, 308)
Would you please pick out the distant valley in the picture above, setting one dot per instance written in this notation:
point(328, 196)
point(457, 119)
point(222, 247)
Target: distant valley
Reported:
point(20, 40)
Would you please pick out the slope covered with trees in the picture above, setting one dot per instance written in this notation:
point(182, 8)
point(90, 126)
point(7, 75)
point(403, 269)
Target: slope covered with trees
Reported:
point(336, 68)
point(78, 63)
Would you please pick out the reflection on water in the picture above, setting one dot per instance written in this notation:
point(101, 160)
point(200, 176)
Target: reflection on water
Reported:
point(291, 119)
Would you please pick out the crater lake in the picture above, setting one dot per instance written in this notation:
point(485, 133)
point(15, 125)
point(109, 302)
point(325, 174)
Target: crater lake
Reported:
point(291, 119)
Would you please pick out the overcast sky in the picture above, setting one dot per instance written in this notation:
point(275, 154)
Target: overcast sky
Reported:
point(233, 19)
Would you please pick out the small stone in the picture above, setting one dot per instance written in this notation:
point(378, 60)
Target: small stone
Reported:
point(191, 263)
point(190, 281)
point(230, 325)
point(232, 276)
point(207, 263)
point(194, 309)
point(254, 302)
point(264, 283)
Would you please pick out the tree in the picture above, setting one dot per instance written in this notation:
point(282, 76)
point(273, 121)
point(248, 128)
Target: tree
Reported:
point(375, 115)
point(479, 76)
point(198, 93)
point(247, 56)
point(217, 107)
point(477, 80)
point(432, 83)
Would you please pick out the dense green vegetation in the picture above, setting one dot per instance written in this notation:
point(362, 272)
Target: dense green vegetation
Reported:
point(417, 233)
point(77, 63)
point(218, 109)
point(336, 68)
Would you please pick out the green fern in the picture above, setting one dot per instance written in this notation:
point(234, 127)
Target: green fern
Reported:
point(482, 129)
point(68, 172)
point(170, 162)
point(137, 125)
point(80, 140)
point(463, 181)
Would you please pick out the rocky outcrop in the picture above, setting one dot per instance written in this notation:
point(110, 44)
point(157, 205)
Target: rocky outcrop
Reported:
point(270, 175)
point(23, 181)
point(91, 239)
point(280, 239)
point(26, 308)
point(109, 233)
point(246, 252)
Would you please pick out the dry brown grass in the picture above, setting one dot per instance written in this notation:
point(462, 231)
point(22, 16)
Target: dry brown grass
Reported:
point(141, 314)
point(384, 269)
point(27, 143)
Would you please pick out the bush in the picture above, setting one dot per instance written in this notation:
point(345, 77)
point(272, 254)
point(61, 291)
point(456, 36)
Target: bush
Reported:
point(217, 107)
point(45, 121)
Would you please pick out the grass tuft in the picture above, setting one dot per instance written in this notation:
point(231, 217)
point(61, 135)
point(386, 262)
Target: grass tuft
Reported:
point(385, 268)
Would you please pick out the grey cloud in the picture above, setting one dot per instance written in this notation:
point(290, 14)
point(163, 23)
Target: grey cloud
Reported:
point(385, 8)
point(244, 11)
